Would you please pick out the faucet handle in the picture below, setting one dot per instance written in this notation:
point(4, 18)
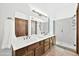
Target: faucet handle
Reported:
point(24, 38)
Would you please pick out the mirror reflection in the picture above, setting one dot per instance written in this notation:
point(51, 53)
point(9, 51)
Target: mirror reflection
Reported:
point(21, 27)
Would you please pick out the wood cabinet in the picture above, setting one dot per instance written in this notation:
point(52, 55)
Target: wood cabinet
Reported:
point(31, 49)
point(30, 53)
point(21, 52)
point(39, 50)
point(46, 44)
point(36, 49)
point(53, 40)
point(33, 46)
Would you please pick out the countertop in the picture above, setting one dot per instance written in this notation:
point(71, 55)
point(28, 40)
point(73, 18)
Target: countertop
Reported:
point(20, 42)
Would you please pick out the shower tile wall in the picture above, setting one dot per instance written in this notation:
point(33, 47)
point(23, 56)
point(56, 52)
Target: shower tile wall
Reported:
point(66, 32)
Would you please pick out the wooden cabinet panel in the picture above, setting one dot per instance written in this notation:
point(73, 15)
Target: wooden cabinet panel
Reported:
point(41, 43)
point(35, 49)
point(30, 53)
point(46, 48)
point(46, 40)
point(33, 46)
point(21, 52)
point(31, 49)
point(39, 51)
point(53, 40)
point(46, 44)
point(26, 52)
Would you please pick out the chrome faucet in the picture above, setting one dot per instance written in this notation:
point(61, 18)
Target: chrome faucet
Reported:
point(28, 37)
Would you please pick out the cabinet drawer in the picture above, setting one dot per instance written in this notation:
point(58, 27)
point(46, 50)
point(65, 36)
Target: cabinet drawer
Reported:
point(41, 42)
point(51, 45)
point(46, 48)
point(20, 52)
point(47, 40)
point(54, 40)
point(30, 53)
point(33, 46)
point(39, 51)
point(53, 37)
point(46, 44)
point(51, 40)
point(26, 51)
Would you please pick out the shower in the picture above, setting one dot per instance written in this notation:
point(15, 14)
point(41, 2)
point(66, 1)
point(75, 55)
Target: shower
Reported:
point(65, 31)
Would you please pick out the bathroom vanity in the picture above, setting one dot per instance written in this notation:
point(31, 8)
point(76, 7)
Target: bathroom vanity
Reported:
point(34, 47)
point(35, 44)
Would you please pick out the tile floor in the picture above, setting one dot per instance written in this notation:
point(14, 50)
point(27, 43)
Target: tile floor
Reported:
point(58, 51)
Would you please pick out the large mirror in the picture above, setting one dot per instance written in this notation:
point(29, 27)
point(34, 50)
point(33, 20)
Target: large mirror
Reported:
point(21, 27)
point(33, 27)
point(43, 28)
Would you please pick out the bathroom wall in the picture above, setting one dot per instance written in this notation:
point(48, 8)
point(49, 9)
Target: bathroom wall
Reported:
point(7, 22)
point(65, 31)
point(8, 11)
point(51, 25)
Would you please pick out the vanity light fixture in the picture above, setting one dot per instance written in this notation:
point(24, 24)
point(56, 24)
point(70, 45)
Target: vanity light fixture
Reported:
point(39, 13)
point(37, 19)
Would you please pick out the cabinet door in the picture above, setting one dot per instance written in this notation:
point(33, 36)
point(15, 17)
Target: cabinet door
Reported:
point(40, 49)
point(51, 42)
point(31, 49)
point(46, 48)
point(33, 46)
point(46, 45)
point(30, 53)
point(20, 52)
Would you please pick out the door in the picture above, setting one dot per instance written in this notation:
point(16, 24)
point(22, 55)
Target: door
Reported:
point(77, 41)
point(65, 35)
point(59, 32)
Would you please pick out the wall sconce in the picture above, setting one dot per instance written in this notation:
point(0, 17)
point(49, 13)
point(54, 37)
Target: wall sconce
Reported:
point(39, 13)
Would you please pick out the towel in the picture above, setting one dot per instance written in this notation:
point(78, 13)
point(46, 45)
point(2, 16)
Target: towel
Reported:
point(7, 37)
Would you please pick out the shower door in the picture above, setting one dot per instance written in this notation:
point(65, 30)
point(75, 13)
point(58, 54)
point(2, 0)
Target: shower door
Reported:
point(59, 33)
point(65, 33)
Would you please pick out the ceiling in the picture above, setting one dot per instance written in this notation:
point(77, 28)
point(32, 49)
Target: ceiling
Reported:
point(56, 10)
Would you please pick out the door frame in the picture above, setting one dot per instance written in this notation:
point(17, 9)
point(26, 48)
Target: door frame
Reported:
point(77, 29)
